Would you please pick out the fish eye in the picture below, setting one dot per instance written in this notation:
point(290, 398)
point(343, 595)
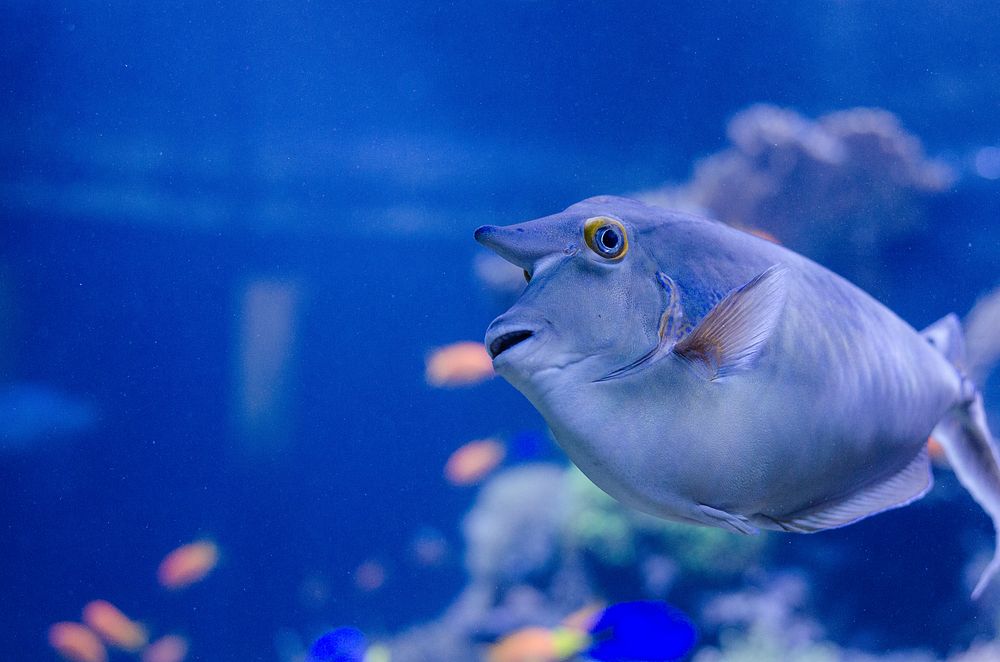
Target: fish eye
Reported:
point(606, 237)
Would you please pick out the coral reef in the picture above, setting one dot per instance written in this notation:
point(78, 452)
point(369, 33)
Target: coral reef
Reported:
point(512, 531)
point(982, 337)
point(520, 570)
point(542, 541)
point(767, 623)
point(838, 189)
point(620, 536)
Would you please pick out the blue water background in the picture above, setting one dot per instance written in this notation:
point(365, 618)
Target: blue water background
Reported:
point(157, 159)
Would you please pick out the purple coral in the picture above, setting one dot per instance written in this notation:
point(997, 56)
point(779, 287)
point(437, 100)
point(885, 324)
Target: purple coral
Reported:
point(840, 186)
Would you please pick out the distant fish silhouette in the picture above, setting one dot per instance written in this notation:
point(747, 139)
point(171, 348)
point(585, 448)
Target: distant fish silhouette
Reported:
point(31, 414)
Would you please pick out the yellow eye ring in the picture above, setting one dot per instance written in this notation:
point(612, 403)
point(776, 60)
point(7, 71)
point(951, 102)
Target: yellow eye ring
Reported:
point(606, 237)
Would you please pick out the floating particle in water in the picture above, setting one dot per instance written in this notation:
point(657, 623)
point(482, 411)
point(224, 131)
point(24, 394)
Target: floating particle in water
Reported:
point(429, 547)
point(314, 592)
point(77, 643)
point(459, 364)
point(473, 461)
point(370, 576)
point(188, 564)
point(114, 627)
point(340, 645)
point(169, 648)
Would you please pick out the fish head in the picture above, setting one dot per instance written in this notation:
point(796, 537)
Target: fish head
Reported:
point(592, 302)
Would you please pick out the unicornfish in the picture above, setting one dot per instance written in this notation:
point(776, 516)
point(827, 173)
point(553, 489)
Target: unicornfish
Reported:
point(704, 375)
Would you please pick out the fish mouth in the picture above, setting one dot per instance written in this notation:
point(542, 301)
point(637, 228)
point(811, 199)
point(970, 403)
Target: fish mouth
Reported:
point(505, 341)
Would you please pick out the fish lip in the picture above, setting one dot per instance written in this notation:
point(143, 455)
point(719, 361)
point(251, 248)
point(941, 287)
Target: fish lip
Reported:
point(516, 328)
point(505, 340)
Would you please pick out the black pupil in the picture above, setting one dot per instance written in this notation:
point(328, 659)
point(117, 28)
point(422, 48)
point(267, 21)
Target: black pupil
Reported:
point(609, 238)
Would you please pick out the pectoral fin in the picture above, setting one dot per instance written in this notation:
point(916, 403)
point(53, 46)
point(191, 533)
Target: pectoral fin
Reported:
point(899, 489)
point(732, 334)
point(724, 520)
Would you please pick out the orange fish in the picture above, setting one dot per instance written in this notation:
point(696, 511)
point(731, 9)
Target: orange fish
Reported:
point(169, 648)
point(470, 463)
point(76, 643)
point(527, 645)
point(459, 364)
point(114, 627)
point(188, 564)
point(585, 617)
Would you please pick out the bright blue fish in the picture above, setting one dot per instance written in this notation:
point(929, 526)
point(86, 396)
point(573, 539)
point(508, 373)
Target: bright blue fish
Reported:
point(340, 645)
point(648, 631)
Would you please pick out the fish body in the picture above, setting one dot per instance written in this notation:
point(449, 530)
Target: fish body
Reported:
point(701, 374)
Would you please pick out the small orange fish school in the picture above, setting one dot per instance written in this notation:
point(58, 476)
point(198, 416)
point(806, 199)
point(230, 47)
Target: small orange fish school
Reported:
point(459, 364)
point(105, 625)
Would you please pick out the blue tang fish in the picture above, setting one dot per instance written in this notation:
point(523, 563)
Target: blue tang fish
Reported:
point(344, 644)
point(645, 631)
point(703, 375)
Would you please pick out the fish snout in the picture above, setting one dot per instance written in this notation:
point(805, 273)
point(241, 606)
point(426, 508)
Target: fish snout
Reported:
point(518, 244)
point(483, 233)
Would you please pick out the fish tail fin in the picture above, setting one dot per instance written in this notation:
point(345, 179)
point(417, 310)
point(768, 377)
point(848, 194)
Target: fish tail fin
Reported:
point(972, 451)
point(966, 438)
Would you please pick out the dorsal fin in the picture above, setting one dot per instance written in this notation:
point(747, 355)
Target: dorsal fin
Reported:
point(899, 489)
point(729, 337)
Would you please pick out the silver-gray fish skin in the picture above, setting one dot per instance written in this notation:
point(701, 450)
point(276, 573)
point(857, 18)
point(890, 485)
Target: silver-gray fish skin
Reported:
point(818, 415)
